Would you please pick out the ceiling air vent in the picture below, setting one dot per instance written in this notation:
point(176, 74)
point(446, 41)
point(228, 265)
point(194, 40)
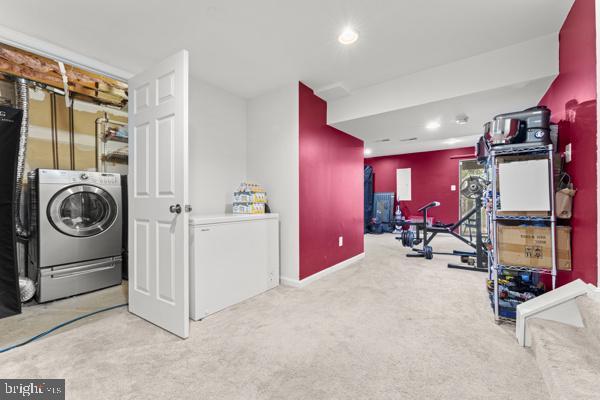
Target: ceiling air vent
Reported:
point(408, 139)
point(332, 92)
point(383, 140)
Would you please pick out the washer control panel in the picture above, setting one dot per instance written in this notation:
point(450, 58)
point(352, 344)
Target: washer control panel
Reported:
point(71, 177)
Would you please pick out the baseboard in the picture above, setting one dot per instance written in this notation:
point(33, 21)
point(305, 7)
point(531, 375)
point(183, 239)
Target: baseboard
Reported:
point(289, 281)
point(301, 283)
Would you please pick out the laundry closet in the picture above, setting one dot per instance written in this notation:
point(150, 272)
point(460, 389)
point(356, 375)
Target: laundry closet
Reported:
point(64, 204)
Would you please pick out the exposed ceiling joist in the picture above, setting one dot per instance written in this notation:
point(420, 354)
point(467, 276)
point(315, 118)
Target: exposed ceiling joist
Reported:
point(40, 69)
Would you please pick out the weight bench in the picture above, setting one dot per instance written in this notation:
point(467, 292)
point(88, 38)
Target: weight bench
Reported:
point(427, 250)
point(430, 232)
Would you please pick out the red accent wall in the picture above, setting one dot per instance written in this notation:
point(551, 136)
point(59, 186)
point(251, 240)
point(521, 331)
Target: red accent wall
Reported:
point(572, 99)
point(432, 174)
point(331, 189)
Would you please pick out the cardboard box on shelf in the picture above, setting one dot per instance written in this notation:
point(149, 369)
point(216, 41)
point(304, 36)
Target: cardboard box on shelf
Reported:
point(524, 213)
point(529, 246)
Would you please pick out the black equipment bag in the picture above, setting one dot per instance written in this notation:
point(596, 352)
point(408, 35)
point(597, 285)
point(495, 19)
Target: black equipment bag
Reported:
point(10, 126)
point(368, 196)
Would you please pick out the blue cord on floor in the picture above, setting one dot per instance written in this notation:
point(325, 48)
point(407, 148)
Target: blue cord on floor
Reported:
point(36, 337)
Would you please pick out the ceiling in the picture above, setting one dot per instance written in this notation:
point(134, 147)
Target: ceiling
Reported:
point(250, 47)
point(410, 122)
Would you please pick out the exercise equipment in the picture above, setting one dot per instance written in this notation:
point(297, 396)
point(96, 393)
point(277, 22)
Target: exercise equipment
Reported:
point(368, 192)
point(408, 238)
point(427, 250)
point(472, 187)
point(382, 219)
point(398, 220)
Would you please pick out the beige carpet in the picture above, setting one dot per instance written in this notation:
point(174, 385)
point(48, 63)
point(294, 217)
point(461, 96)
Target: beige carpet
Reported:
point(36, 318)
point(388, 327)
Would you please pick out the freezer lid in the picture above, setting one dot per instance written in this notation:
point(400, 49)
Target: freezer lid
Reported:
point(197, 220)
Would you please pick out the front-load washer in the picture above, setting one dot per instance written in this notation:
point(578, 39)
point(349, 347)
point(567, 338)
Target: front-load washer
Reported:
point(75, 226)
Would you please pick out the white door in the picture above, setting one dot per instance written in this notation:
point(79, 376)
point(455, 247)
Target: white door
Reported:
point(158, 194)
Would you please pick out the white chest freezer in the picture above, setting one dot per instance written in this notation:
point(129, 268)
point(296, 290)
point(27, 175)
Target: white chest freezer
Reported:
point(232, 258)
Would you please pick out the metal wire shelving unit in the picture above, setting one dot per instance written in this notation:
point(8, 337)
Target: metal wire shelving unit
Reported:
point(105, 135)
point(547, 151)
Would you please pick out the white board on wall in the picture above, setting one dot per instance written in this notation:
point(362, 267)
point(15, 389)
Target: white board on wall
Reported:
point(524, 186)
point(403, 185)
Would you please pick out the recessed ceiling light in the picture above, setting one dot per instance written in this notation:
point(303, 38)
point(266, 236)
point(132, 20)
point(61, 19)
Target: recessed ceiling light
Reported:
point(348, 36)
point(433, 125)
point(368, 151)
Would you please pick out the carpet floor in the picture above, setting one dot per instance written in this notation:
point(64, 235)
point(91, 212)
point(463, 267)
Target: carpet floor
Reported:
point(387, 327)
point(36, 318)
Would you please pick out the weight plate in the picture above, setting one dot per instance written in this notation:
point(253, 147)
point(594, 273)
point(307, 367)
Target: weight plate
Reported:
point(428, 251)
point(410, 239)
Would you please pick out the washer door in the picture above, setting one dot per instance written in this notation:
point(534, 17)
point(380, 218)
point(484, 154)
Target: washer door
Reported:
point(82, 211)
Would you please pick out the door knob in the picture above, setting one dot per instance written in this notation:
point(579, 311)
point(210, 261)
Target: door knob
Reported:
point(176, 209)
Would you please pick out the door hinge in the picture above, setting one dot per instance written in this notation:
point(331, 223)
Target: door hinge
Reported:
point(188, 208)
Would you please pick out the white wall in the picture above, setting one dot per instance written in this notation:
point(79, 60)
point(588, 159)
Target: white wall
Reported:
point(273, 151)
point(217, 147)
point(537, 58)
